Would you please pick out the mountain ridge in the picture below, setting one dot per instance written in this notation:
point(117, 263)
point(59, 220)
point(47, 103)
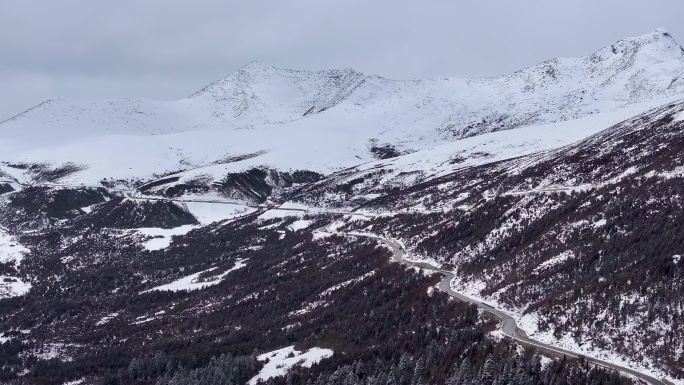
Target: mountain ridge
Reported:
point(658, 44)
point(324, 121)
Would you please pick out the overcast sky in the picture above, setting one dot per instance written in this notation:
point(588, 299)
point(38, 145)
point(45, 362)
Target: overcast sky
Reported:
point(167, 49)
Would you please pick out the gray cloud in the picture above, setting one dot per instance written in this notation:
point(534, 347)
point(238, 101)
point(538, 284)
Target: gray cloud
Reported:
point(169, 49)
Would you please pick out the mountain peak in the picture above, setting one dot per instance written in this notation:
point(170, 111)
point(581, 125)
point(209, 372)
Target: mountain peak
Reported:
point(256, 72)
point(255, 65)
point(652, 36)
point(659, 35)
point(660, 31)
point(658, 40)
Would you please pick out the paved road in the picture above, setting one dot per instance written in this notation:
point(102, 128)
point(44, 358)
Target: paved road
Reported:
point(508, 324)
point(548, 190)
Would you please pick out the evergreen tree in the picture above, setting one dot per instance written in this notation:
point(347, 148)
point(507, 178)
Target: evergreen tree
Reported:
point(487, 374)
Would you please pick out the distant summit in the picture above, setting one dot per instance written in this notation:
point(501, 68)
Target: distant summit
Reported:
point(658, 44)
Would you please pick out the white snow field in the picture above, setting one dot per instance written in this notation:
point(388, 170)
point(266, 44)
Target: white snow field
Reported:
point(328, 120)
point(496, 146)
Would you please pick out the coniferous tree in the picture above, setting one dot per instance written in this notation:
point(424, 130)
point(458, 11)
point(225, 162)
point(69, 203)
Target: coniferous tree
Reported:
point(487, 374)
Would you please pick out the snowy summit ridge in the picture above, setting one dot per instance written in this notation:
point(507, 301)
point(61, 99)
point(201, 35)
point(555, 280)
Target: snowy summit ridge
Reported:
point(327, 120)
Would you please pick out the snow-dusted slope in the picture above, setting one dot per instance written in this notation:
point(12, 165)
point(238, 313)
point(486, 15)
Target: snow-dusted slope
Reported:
point(377, 177)
point(603, 213)
point(328, 120)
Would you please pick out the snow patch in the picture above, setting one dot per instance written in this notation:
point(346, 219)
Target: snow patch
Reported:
point(11, 250)
point(321, 235)
point(282, 360)
point(106, 318)
point(53, 350)
point(679, 117)
point(13, 287)
point(424, 272)
point(276, 213)
point(430, 291)
point(75, 382)
point(208, 212)
point(300, 224)
point(308, 308)
point(162, 237)
point(346, 283)
point(204, 212)
point(193, 282)
point(560, 258)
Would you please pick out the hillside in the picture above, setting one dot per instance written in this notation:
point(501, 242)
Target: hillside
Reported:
point(288, 227)
point(581, 243)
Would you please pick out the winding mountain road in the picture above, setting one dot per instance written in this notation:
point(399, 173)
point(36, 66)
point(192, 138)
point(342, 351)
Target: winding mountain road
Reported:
point(508, 324)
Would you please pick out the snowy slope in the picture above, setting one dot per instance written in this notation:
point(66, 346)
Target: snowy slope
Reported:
point(328, 120)
point(376, 178)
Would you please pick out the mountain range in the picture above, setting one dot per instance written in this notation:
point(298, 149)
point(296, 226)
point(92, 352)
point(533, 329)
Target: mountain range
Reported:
point(239, 234)
point(328, 120)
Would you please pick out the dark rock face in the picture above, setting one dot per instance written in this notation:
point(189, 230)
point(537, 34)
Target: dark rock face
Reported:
point(305, 176)
point(35, 207)
point(384, 152)
point(158, 182)
point(46, 172)
point(124, 213)
point(254, 185)
point(251, 185)
point(257, 185)
point(5, 188)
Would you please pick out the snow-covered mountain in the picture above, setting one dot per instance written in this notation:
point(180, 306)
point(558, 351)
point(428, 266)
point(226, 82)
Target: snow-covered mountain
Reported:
point(139, 239)
point(328, 120)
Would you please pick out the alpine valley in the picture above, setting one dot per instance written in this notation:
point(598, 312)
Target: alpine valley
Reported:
point(294, 227)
